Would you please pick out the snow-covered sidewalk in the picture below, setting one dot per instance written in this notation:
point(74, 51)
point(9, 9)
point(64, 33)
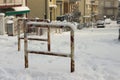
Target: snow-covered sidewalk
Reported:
point(97, 57)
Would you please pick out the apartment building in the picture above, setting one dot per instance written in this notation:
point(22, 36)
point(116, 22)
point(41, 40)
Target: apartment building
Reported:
point(89, 10)
point(108, 8)
point(92, 10)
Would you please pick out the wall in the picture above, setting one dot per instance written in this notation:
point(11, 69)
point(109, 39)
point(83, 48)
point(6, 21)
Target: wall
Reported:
point(37, 8)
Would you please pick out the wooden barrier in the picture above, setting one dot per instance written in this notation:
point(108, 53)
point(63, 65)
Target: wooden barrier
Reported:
point(49, 25)
point(27, 20)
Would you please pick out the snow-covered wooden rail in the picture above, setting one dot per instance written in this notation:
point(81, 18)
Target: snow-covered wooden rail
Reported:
point(50, 25)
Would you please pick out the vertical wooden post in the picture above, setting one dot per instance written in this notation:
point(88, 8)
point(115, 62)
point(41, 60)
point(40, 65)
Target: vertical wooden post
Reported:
point(72, 51)
point(18, 32)
point(48, 34)
point(25, 45)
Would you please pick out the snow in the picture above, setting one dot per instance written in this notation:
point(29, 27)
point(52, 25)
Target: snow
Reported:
point(97, 57)
point(23, 8)
point(53, 6)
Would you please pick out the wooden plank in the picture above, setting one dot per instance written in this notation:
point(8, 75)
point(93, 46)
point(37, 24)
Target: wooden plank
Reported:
point(35, 39)
point(33, 19)
point(18, 32)
point(49, 53)
point(48, 35)
point(72, 51)
point(45, 26)
point(25, 46)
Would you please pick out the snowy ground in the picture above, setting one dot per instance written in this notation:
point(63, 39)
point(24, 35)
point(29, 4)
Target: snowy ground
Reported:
point(97, 57)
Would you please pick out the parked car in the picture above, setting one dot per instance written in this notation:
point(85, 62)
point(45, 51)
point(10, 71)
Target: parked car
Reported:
point(100, 24)
point(118, 21)
point(107, 21)
point(60, 18)
point(80, 26)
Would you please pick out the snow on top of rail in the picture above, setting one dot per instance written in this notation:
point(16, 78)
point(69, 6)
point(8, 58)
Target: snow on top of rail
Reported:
point(52, 24)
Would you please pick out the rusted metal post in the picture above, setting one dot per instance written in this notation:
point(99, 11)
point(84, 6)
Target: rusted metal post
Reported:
point(119, 34)
point(18, 32)
point(25, 45)
point(72, 51)
point(48, 34)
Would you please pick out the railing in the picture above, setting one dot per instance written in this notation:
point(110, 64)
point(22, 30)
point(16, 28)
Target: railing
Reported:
point(73, 0)
point(59, 0)
point(10, 3)
point(110, 7)
point(48, 26)
point(88, 2)
point(112, 4)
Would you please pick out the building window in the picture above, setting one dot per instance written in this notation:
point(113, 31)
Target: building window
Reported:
point(108, 4)
point(5, 1)
point(109, 12)
point(10, 1)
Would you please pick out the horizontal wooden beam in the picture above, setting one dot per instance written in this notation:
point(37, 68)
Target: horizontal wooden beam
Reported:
point(49, 53)
point(35, 39)
point(33, 19)
point(45, 26)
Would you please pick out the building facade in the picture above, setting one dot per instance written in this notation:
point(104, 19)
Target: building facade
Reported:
point(89, 10)
point(108, 8)
point(38, 8)
point(92, 10)
point(60, 7)
point(118, 16)
point(45, 9)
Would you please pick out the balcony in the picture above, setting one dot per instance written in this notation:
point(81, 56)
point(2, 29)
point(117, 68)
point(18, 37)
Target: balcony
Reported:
point(72, 1)
point(59, 0)
point(52, 5)
point(88, 2)
point(110, 7)
point(10, 3)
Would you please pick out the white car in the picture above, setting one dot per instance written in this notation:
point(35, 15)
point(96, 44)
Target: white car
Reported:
point(100, 24)
point(107, 21)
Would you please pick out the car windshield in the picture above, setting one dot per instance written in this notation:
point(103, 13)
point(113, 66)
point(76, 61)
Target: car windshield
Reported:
point(100, 21)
